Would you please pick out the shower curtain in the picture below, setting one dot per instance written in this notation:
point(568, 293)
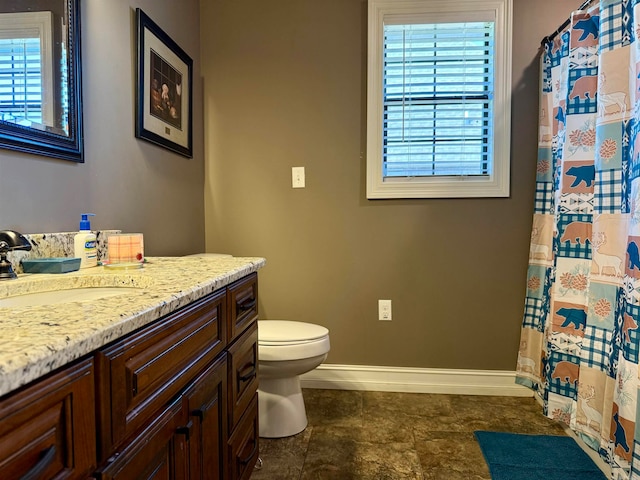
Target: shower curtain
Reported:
point(580, 341)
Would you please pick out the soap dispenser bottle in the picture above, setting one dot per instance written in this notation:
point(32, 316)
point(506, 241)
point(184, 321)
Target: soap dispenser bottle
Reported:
point(85, 244)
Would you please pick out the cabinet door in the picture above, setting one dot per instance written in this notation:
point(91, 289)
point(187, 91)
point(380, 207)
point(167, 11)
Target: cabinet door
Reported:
point(207, 407)
point(243, 446)
point(158, 452)
point(47, 430)
point(243, 374)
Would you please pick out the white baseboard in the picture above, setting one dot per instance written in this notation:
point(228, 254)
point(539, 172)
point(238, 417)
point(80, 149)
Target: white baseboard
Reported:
point(415, 380)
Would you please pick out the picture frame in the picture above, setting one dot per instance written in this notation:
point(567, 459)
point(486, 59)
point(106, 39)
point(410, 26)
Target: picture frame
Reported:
point(164, 106)
point(40, 45)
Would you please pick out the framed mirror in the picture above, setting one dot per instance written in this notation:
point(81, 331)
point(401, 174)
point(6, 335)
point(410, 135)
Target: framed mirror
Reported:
point(40, 82)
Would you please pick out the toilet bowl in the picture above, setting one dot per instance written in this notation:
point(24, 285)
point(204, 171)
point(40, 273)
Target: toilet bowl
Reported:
point(286, 350)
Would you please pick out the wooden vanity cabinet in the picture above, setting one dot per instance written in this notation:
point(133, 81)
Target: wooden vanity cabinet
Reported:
point(47, 429)
point(178, 398)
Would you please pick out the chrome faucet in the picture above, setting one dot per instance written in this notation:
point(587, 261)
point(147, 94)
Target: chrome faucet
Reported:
point(10, 240)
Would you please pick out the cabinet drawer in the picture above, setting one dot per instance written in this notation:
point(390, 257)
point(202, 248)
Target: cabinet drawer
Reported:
point(50, 427)
point(140, 374)
point(243, 446)
point(243, 374)
point(242, 301)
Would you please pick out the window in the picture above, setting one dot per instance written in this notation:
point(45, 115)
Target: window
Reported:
point(26, 78)
point(439, 84)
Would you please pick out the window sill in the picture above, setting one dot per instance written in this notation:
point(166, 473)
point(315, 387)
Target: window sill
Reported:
point(457, 187)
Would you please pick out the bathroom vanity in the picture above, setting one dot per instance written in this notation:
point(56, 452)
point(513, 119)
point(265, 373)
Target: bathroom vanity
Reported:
point(157, 382)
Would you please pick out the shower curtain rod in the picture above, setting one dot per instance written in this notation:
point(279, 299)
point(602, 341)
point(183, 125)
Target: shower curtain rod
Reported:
point(564, 25)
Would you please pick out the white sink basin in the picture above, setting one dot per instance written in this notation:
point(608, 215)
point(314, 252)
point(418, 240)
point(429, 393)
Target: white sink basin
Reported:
point(64, 296)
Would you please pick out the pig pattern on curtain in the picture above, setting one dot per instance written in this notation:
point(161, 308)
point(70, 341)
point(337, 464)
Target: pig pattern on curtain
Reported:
point(580, 341)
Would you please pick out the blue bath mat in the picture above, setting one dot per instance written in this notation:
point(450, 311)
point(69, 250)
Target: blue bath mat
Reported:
point(513, 456)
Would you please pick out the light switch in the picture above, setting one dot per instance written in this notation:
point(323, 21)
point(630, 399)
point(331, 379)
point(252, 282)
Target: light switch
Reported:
point(297, 177)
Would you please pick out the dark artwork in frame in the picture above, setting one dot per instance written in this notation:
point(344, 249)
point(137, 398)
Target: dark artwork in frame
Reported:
point(164, 89)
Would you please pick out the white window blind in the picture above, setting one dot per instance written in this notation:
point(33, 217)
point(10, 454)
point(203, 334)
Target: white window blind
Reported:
point(438, 99)
point(21, 80)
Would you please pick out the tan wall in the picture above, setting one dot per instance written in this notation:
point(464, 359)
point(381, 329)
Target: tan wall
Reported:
point(284, 86)
point(130, 184)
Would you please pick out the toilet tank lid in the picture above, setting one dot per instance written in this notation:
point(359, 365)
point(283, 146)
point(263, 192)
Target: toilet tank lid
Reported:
point(289, 331)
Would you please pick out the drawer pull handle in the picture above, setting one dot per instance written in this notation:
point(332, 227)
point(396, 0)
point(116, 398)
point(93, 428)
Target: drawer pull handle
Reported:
point(249, 375)
point(47, 456)
point(248, 305)
point(246, 460)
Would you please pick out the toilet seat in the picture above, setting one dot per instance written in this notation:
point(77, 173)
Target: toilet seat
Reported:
point(281, 340)
point(276, 332)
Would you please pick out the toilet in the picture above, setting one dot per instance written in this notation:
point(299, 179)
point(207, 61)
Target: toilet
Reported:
point(286, 350)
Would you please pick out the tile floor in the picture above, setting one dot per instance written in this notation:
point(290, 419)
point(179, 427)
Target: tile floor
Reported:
point(355, 435)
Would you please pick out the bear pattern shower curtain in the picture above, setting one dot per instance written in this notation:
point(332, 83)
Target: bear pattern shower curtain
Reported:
point(580, 341)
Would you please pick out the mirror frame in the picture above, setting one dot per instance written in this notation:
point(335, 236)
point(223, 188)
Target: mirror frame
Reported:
point(49, 144)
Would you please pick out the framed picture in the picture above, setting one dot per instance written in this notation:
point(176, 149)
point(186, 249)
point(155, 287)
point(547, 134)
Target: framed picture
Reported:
point(164, 86)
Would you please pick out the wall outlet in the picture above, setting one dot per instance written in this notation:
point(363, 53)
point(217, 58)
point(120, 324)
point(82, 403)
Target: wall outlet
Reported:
point(297, 177)
point(384, 309)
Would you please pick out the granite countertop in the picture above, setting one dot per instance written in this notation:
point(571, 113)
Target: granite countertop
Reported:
point(36, 340)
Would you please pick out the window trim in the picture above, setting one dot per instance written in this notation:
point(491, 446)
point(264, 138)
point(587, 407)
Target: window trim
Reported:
point(393, 11)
